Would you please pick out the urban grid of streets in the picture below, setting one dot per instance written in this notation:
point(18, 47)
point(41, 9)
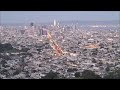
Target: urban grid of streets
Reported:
point(94, 47)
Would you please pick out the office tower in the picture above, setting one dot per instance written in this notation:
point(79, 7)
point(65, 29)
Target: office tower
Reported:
point(40, 31)
point(55, 23)
point(31, 30)
point(44, 32)
point(31, 24)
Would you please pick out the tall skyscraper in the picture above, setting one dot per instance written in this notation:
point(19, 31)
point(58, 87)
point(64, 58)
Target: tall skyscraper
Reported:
point(31, 31)
point(31, 24)
point(55, 23)
point(40, 31)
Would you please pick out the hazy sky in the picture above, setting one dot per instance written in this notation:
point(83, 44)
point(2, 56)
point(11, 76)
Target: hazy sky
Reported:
point(49, 16)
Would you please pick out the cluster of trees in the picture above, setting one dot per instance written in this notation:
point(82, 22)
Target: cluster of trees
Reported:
point(51, 75)
point(8, 47)
point(87, 74)
point(113, 75)
point(5, 47)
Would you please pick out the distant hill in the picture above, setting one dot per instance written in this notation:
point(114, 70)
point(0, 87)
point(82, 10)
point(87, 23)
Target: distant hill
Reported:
point(90, 22)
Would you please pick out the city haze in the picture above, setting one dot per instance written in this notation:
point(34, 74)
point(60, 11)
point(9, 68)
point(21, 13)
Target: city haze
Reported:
point(49, 16)
point(59, 45)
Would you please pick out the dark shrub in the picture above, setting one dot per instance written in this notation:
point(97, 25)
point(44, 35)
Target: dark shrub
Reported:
point(107, 69)
point(113, 75)
point(77, 74)
point(5, 47)
point(88, 74)
point(71, 69)
point(25, 49)
point(94, 61)
point(16, 72)
point(51, 75)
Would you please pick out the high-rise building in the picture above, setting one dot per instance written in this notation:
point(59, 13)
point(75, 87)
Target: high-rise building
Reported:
point(31, 30)
point(31, 24)
point(40, 31)
point(22, 32)
point(44, 32)
point(55, 23)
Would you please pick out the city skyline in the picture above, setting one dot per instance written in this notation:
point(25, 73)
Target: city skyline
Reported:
point(49, 16)
point(61, 49)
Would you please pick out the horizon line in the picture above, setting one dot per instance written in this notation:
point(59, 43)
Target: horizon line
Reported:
point(63, 21)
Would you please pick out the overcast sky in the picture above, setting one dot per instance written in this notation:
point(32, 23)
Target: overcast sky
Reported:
point(49, 16)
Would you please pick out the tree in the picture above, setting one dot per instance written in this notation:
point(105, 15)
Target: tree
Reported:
point(113, 75)
point(5, 47)
point(71, 69)
point(77, 74)
point(51, 75)
point(88, 74)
